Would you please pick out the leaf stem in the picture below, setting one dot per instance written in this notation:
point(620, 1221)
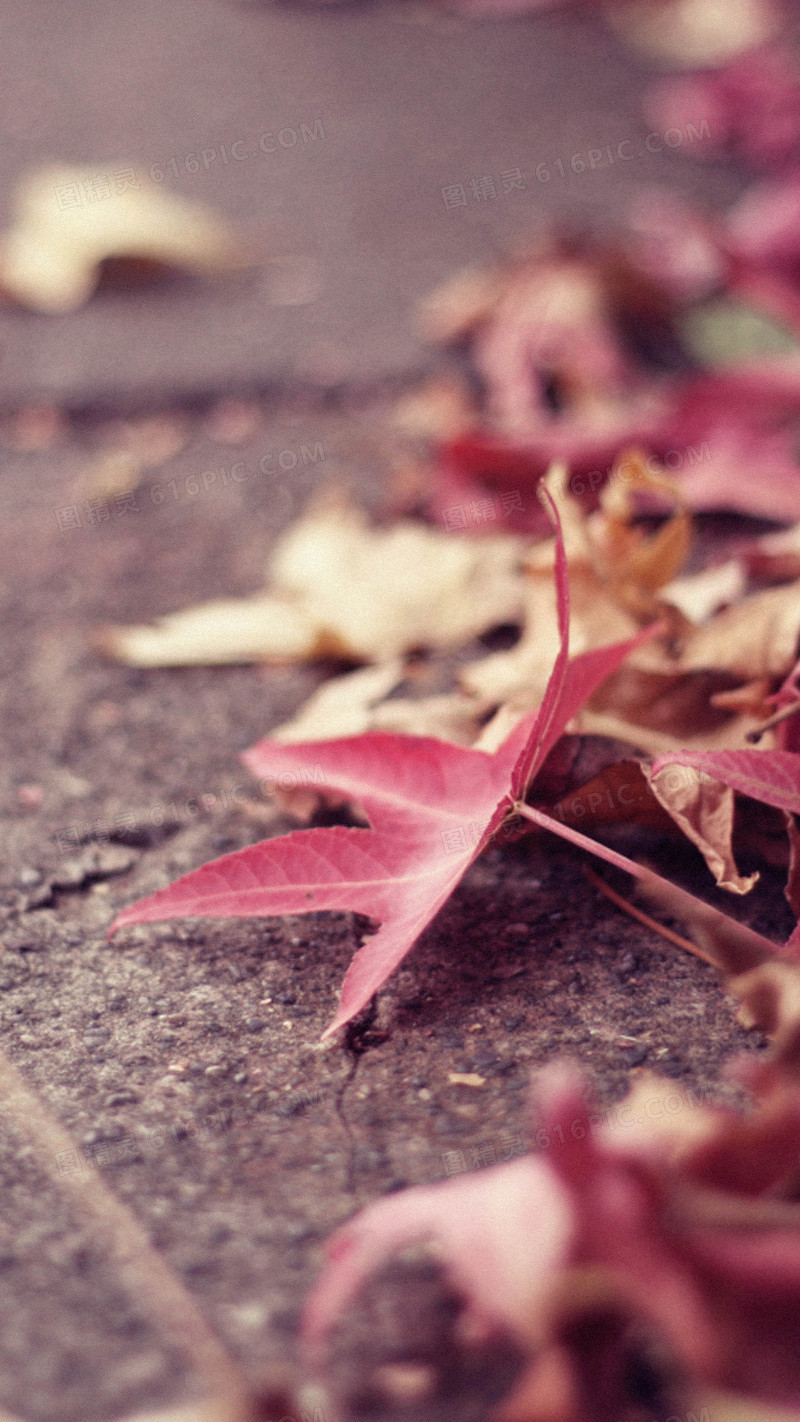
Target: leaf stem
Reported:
point(645, 918)
point(793, 709)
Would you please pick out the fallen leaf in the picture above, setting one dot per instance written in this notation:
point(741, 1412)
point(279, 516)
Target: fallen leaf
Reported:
point(749, 109)
point(772, 776)
point(697, 788)
point(614, 571)
point(693, 34)
point(357, 702)
point(52, 257)
point(699, 595)
point(620, 794)
point(258, 628)
point(340, 588)
point(617, 1230)
point(432, 808)
point(704, 810)
point(518, 677)
point(559, 341)
point(725, 332)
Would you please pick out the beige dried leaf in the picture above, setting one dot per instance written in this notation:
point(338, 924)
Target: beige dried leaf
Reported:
point(228, 630)
point(352, 704)
point(459, 303)
point(342, 706)
point(382, 592)
point(757, 637)
point(67, 222)
point(700, 595)
point(693, 34)
point(340, 587)
point(596, 619)
point(703, 808)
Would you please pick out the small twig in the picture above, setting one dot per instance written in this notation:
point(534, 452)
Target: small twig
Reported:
point(141, 1269)
point(793, 709)
point(645, 918)
point(737, 947)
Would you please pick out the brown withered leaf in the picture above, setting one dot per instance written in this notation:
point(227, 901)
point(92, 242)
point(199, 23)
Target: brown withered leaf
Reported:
point(676, 690)
point(634, 564)
point(620, 794)
point(678, 802)
point(775, 556)
point(69, 224)
point(339, 587)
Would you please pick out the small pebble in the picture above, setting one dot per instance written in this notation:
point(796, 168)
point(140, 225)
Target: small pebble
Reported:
point(28, 877)
point(517, 930)
point(30, 796)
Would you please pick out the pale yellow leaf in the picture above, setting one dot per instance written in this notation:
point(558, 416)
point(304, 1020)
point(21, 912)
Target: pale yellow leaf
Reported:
point(693, 34)
point(68, 221)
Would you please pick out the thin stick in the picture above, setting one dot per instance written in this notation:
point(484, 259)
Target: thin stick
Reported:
point(739, 947)
point(645, 918)
point(140, 1268)
point(793, 709)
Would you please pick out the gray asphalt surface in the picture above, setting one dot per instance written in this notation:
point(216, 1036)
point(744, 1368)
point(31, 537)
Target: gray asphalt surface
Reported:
point(328, 134)
point(182, 1061)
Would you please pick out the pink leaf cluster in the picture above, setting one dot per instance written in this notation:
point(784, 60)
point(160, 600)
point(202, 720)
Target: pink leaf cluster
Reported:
point(679, 1236)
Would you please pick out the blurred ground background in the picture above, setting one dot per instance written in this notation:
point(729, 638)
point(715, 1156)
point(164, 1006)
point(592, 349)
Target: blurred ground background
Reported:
point(184, 1062)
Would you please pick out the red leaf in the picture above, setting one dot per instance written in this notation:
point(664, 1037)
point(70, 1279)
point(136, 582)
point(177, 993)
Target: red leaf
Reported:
point(770, 776)
point(682, 1225)
point(432, 808)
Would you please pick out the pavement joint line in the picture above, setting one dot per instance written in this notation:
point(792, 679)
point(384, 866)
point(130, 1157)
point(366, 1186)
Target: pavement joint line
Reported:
point(141, 1269)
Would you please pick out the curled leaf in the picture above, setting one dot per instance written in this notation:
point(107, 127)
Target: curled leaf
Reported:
point(69, 222)
point(339, 587)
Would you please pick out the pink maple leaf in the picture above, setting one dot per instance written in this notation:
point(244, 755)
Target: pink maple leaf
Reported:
point(432, 808)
